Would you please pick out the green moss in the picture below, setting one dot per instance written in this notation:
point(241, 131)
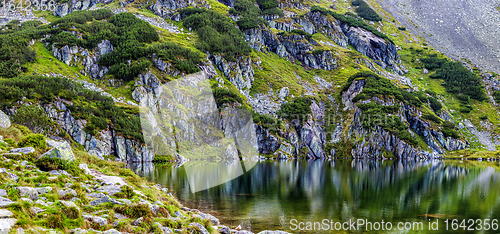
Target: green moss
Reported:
point(35, 140)
point(49, 164)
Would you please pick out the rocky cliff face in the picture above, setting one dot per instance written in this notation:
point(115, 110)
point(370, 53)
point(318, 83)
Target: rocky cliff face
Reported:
point(292, 47)
point(383, 52)
point(167, 8)
point(239, 72)
point(75, 55)
point(381, 143)
point(76, 5)
point(106, 142)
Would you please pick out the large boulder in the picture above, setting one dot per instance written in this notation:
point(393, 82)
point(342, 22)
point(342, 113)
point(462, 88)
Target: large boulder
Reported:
point(61, 151)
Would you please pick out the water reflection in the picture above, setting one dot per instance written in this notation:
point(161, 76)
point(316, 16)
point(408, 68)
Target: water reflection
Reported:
point(273, 192)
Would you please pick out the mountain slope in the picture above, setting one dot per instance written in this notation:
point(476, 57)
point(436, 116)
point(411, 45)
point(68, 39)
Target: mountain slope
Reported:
point(366, 88)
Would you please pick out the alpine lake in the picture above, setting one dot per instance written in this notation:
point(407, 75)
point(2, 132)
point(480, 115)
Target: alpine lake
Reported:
point(318, 196)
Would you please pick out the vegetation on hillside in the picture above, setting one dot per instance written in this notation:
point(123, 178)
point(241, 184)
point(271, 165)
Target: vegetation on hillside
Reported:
point(217, 33)
point(351, 21)
point(65, 200)
point(14, 46)
point(365, 11)
point(458, 80)
point(249, 14)
point(100, 111)
point(296, 110)
point(270, 7)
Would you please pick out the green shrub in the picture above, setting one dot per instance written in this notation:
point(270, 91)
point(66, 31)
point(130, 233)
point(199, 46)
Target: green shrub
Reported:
point(496, 96)
point(217, 33)
point(402, 28)
point(460, 80)
point(273, 11)
point(365, 11)
point(435, 104)
point(296, 110)
point(457, 79)
point(267, 4)
point(432, 118)
point(267, 121)
point(134, 211)
point(247, 23)
point(449, 130)
point(465, 108)
point(245, 8)
point(35, 140)
point(302, 32)
point(33, 117)
point(378, 86)
point(223, 96)
point(71, 212)
point(433, 62)
point(182, 58)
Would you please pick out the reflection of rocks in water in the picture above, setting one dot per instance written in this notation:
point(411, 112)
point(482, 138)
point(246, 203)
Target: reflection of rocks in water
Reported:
point(141, 169)
point(312, 190)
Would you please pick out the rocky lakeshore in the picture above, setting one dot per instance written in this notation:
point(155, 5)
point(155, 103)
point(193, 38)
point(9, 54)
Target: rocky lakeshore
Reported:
point(52, 187)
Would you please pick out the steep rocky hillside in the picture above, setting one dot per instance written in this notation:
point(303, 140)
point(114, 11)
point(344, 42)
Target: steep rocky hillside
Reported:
point(289, 79)
point(463, 29)
point(320, 80)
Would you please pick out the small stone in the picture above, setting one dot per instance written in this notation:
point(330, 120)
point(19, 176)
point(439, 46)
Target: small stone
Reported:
point(6, 225)
point(137, 222)
point(32, 193)
point(19, 231)
point(4, 214)
point(126, 201)
point(200, 228)
point(178, 214)
point(3, 192)
point(65, 192)
point(40, 202)
point(224, 230)
point(99, 220)
point(154, 209)
point(109, 189)
point(111, 231)
point(25, 150)
point(119, 216)
point(78, 231)
point(35, 210)
point(44, 190)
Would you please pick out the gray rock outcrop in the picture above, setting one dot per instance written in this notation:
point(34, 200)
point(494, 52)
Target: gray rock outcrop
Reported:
point(4, 120)
point(61, 151)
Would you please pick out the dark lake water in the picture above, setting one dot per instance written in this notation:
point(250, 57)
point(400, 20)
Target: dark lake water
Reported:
point(279, 195)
